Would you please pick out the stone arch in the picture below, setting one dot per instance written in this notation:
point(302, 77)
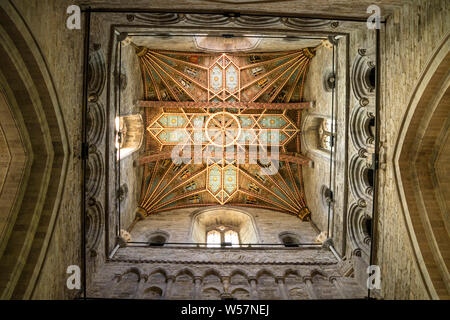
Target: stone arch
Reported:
point(295, 286)
point(212, 278)
point(96, 72)
point(94, 227)
point(127, 284)
point(361, 179)
point(323, 287)
point(158, 238)
point(212, 271)
point(363, 79)
point(157, 278)
point(27, 83)
point(362, 129)
point(183, 286)
point(239, 279)
point(158, 270)
point(129, 134)
point(211, 293)
point(359, 234)
point(153, 293)
point(95, 123)
point(239, 272)
point(94, 172)
point(241, 294)
point(267, 286)
point(132, 270)
point(290, 239)
point(421, 151)
point(318, 273)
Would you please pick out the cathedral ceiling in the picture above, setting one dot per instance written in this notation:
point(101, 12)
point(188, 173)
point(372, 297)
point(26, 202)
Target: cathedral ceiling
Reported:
point(210, 116)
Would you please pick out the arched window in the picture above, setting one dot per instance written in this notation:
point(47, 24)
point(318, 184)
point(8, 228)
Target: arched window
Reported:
point(222, 236)
point(232, 237)
point(213, 239)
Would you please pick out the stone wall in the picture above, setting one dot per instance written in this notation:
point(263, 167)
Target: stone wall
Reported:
point(409, 39)
point(60, 48)
point(179, 224)
point(201, 273)
point(319, 175)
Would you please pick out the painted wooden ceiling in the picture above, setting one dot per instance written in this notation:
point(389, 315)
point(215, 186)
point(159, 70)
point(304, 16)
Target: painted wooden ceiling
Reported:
point(211, 103)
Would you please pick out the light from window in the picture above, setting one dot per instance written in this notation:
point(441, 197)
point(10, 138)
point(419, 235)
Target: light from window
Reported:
point(232, 237)
point(213, 239)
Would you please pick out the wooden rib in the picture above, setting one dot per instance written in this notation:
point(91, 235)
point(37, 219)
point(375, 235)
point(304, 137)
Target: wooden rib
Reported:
point(291, 90)
point(291, 176)
point(290, 197)
point(151, 182)
point(265, 188)
point(158, 191)
point(179, 72)
point(179, 197)
point(286, 81)
point(159, 183)
point(258, 94)
point(268, 61)
point(173, 80)
point(302, 86)
point(234, 204)
point(176, 82)
point(150, 64)
point(274, 203)
point(183, 206)
point(180, 61)
point(187, 53)
point(281, 66)
point(158, 198)
point(158, 93)
point(224, 104)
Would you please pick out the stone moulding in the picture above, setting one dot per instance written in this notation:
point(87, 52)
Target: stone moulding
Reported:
point(193, 262)
point(221, 19)
point(426, 100)
point(30, 80)
point(363, 90)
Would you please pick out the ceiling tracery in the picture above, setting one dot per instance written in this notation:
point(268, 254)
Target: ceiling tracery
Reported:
point(221, 112)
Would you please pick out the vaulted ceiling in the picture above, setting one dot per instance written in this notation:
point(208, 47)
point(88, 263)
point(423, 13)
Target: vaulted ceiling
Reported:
point(210, 116)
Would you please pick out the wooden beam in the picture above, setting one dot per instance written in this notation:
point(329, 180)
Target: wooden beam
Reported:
point(237, 105)
point(282, 156)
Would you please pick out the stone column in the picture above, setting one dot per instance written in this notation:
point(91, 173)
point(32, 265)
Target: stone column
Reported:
point(168, 291)
point(339, 287)
point(226, 284)
point(197, 288)
point(310, 288)
point(282, 288)
point(140, 288)
point(253, 290)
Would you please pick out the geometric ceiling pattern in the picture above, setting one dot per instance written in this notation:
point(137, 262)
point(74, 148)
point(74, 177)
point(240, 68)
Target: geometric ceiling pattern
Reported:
point(239, 129)
point(240, 102)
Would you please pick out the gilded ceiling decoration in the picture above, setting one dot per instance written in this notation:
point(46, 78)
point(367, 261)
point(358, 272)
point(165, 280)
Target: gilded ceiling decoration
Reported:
point(218, 113)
